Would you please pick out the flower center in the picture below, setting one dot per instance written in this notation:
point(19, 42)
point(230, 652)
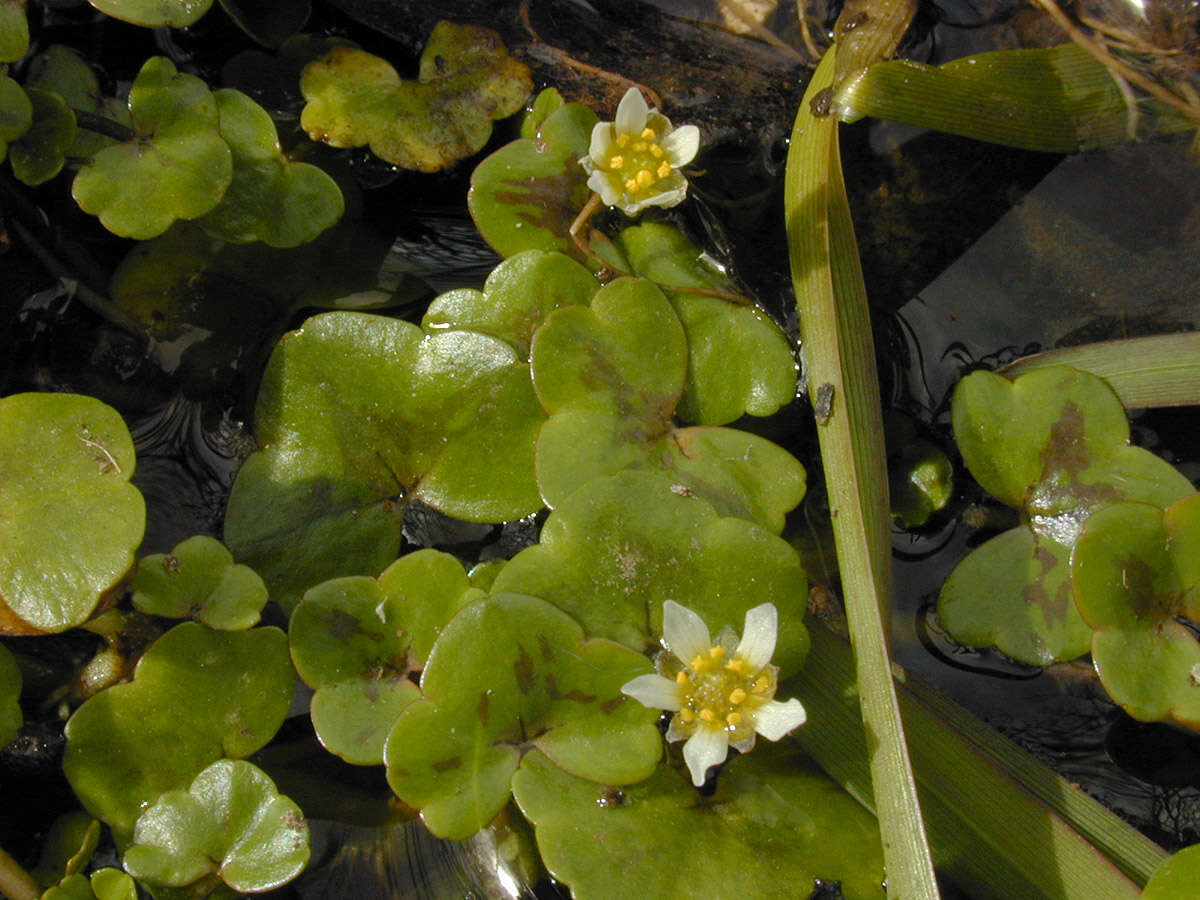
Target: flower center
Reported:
point(639, 160)
point(723, 693)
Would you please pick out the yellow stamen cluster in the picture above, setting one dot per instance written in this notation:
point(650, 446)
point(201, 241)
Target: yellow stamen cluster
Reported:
point(722, 693)
point(639, 160)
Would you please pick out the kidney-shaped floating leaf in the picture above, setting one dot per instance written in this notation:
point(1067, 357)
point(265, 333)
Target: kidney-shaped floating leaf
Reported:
point(70, 521)
point(507, 674)
point(1055, 444)
point(104, 884)
point(198, 695)
point(16, 113)
point(64, 72)
point(176, 167)
point(198, 579)
point(40, 152)
point(1136, 576)
point(739, 361)
point(516, 298)
point(466, 80)
point(355, 640)
point(1014, 593)
point(620, 546)
point(526, 195)
point(271, 199)
point(231, 822)
point(10, 693)
point(774, 820)
point(611, 375)
point(357, 411)
point(155, 13)
point(14, 30)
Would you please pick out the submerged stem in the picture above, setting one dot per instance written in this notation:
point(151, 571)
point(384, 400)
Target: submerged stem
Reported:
point(15, 882)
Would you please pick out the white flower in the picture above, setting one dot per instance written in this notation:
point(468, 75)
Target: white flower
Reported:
point(634, 162)
point(717, 702)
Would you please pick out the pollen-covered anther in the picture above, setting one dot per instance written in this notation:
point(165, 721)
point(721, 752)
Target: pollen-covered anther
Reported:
point(622, 140)
point(737, 665)
point(616, 162)
point(708, 715)
point(697, 663)
point(664, 169)
point(631, 185)
point(645, 178)
point(656, 151)
point(716, 652)
point(648, 133)
point(734, 719)
point(761, 684)
point(737, 695)
point(681, 677)
point(687, 715)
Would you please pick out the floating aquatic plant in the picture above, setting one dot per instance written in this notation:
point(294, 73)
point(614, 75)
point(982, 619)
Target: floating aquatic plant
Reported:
point(723, 692)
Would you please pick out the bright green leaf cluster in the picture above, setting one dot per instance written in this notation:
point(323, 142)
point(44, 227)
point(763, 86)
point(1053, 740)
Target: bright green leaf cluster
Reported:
point(198, 579)
point(355, 640)
point(231, 822)
point(1055, 444)
point(198, 695)
point(103, 884)
point(1136, 578)
point(509, 673)
point(466, 80)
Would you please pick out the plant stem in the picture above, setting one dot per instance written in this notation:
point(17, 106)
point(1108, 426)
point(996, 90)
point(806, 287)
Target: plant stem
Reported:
point(15, 882)
point(103, 125)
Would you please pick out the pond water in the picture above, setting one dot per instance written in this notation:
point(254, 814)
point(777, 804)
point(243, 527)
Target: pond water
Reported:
point(973, 255)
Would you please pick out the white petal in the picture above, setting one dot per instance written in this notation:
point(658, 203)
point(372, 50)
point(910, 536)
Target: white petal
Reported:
point(602, 184)
point(684, 632)
point(681, 145)
point(758, 637)
point(631, 112)
point(666, 199)
point(773, 720)
point(703, 750)
point(601, 141)
point(653, 691)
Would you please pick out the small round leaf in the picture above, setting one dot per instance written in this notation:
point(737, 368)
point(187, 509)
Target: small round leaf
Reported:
point(155, 13)
point(198, 579)
point(232, 822)
point(70, 521)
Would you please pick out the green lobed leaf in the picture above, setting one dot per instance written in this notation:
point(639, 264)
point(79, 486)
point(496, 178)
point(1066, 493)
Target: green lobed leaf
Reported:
point(357, 413)
point(63, 71)
point(739, 361)
point(547, 101)
point(516, 298)
point(270, 199)
point(505, 675)
point(611, 375)
point(1055, 444)
point(14, 30)
point(525, 195)
point(1136, 577)
point(355, 640)
point(198, 579)
point(774, 825)
point(466, 80)
point(67, 847)
point(16, 113)
point(39, 154)
point(155, 13)
point(197, 696)
point(231, 822)
point(11, 717)
point(176, 167)
point(1014, 593)
point(619, 547)
point(105, 884)
point(70, 521)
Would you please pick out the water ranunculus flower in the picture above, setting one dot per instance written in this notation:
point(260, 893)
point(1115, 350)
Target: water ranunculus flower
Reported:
point(634, 162)
point(722, 693)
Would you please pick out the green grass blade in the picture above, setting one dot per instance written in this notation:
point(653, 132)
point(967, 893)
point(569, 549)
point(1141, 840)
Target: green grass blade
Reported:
point(1056, 99)
point(1163, 370)
point(1001, 824)
point(839, 363)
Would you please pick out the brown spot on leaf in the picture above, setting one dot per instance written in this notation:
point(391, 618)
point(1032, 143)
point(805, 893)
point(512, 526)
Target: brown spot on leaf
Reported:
point(574, 694)
point(445, 765)
point(171, 563)
point(482, 709)
point(546, 647)
point(1065, 451)
point(523, 670)
point(344, 626)
point(608, 707)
